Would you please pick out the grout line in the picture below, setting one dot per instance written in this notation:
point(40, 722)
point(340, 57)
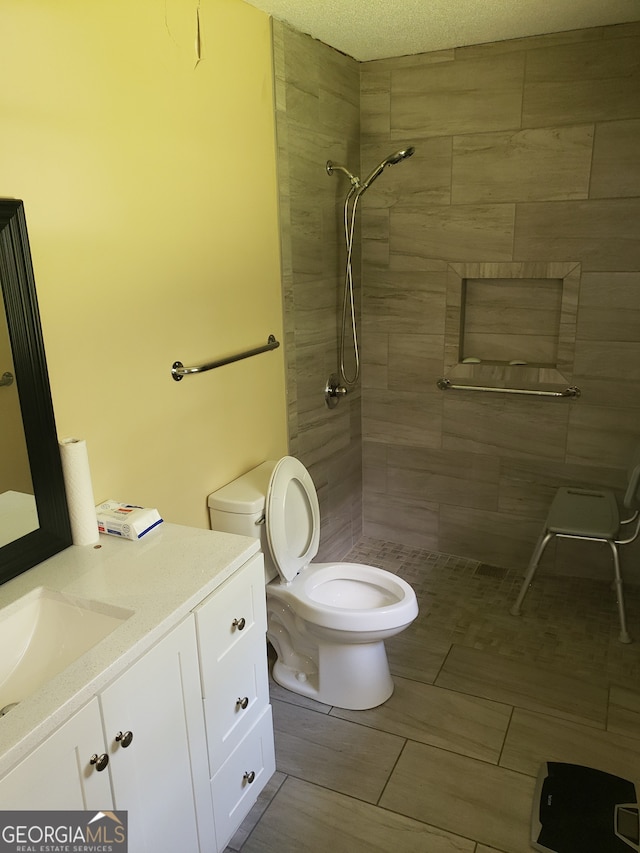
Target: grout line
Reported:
point(506, 735)
point(441, 667)
point(606, 716)
point(395, 764)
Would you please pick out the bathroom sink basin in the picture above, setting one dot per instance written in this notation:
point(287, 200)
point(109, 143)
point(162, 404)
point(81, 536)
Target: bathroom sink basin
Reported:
point(42, 633)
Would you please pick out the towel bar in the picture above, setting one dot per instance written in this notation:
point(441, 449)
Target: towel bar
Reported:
point(179, 371)
point(447, 385)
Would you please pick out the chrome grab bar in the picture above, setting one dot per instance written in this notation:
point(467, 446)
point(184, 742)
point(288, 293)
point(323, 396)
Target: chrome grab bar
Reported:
point(179, 371)
point(447, 385)
point(6, 379)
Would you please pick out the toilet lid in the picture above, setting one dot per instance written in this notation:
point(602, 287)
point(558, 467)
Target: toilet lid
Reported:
point(292, 517)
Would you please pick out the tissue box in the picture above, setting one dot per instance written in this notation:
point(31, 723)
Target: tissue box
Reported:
point(125, 520)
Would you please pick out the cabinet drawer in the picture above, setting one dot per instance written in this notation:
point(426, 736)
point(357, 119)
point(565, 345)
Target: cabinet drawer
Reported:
point(237, 696)
point(233, 659)
point(231, 615)
point(232, 792)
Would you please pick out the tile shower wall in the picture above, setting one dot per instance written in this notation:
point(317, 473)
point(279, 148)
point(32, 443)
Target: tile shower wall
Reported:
point(526, 150)
point(318, 119)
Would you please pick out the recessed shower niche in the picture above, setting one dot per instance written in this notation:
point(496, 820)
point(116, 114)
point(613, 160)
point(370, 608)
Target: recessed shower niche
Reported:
point(511, 322)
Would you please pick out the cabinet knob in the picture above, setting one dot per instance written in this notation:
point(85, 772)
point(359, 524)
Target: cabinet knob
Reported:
point(124, 739)
point(100, 761)
point(242, 703)
point(249, 777)
point(239, 623)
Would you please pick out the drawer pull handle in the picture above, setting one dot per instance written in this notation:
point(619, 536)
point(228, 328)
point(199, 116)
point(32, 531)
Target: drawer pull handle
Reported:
point(249, 777)
point(124, 739)
point(239, 623)
point(242, 703)
point(100, 761)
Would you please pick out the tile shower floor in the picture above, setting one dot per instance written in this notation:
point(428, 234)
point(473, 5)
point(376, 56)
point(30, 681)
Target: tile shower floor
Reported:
point(482, 698)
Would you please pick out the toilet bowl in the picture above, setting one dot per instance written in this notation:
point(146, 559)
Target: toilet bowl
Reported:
point(327, 622)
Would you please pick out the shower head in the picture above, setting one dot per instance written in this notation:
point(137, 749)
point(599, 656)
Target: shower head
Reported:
point(399, 155)
point(391, 160)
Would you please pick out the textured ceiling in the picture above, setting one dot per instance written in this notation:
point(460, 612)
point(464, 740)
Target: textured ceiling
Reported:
point(375, 29)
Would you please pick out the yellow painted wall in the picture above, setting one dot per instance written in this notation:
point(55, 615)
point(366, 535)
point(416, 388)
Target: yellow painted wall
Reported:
point(149, 184)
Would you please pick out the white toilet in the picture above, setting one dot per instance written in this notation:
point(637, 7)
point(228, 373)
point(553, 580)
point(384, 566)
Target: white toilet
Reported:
point(326, 621)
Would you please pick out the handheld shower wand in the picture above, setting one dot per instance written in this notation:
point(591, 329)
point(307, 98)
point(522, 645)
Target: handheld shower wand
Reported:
point(391, 160)
point(357, 189)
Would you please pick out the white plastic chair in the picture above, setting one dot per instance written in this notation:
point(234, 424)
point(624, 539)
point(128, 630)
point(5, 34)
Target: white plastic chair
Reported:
point(591, 515)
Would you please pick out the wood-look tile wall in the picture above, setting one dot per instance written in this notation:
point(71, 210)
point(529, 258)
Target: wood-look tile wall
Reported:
point(526, 151)
point(318, 119)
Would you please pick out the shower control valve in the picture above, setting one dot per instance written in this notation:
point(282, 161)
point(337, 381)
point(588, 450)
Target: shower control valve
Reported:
point(334, 391)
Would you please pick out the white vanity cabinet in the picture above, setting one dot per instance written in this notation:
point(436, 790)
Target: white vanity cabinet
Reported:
point(140, 746)
point(155, 739)
point(181, 739)
point(231, 626)
point(58, 774)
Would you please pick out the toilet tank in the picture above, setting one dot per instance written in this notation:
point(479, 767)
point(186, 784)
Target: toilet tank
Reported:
point(239, 508)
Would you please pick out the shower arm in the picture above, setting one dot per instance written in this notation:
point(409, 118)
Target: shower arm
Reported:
point(332, 167)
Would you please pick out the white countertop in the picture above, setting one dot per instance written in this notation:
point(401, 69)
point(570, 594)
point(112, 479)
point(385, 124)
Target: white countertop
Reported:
point(161, 578)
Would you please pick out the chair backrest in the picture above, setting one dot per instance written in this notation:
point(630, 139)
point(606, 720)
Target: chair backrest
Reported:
point(631, 498)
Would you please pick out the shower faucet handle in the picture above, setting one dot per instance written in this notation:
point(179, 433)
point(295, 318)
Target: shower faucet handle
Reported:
point(334, 391)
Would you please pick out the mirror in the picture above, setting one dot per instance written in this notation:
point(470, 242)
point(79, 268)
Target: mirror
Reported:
point(18, 514)
point(31, 431)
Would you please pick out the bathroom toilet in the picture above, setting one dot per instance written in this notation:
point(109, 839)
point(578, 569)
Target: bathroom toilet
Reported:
point(326, 621)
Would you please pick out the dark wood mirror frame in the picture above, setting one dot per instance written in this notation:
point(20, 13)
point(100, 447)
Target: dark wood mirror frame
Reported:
point(23, 319)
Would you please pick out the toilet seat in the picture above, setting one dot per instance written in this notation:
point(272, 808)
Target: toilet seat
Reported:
point(350, 597)
point(292, 517)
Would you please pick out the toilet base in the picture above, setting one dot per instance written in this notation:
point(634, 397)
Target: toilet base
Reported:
point(354, 677)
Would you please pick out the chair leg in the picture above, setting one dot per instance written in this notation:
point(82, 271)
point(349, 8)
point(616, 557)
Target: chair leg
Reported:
point(541, 544)
point(624, 634)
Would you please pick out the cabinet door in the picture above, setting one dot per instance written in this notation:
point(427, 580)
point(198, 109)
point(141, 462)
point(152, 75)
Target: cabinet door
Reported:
point(161, 776)
point(58, 774)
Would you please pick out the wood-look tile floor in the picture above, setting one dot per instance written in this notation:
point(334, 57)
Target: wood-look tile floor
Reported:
point(448, 764)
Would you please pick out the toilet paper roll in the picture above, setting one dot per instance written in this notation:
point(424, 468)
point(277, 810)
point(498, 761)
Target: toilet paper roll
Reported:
point(77, 483)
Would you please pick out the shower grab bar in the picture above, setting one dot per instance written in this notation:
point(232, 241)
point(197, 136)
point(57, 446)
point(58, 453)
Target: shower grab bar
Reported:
point(447, 385)
point(7, 379)
point(179, 371)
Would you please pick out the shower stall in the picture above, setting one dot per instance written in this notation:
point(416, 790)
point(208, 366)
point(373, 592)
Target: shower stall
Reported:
point(503, 174)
